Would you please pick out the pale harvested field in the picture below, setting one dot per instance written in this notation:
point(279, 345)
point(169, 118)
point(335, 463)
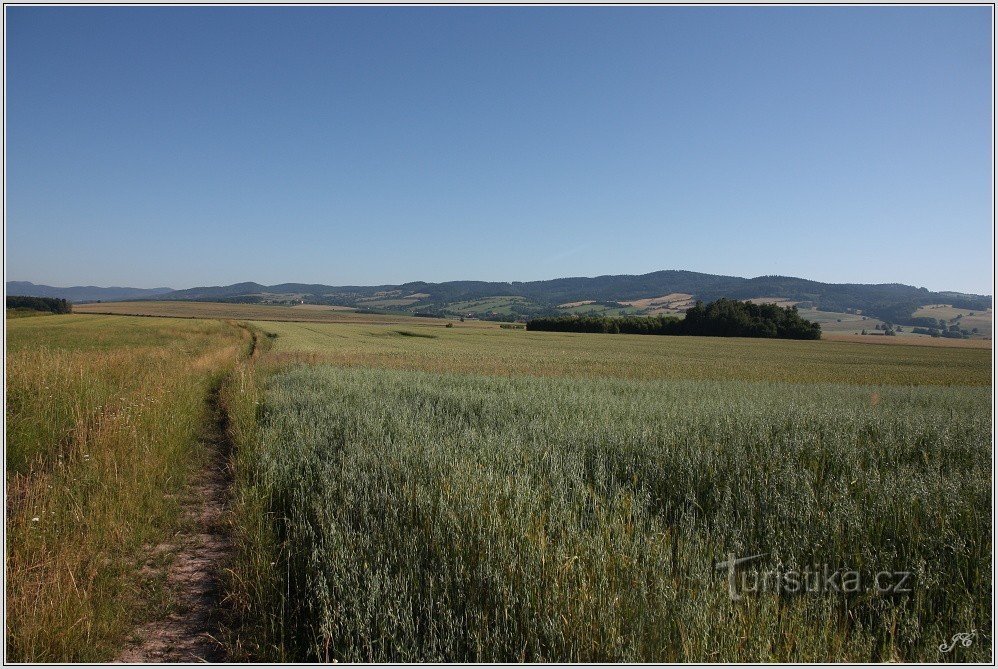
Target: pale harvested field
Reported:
point(943, 311)
point(382, 303)
point(323, 307)
point(778, 301)
point(840, 322)
point(982, 320)
point(264, 312)
point(672, 300)
point(569, 305)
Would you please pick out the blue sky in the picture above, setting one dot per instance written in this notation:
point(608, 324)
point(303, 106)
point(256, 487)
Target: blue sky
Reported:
point(200, 146)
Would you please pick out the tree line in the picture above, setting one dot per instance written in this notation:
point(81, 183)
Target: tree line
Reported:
point(720, 318)
point(54, 304)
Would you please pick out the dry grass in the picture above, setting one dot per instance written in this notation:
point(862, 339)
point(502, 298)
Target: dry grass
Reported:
point(262, 312)
point(102, 418)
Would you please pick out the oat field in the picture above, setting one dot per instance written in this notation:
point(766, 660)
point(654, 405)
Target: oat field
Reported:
point(504, 496)
point(444, 517)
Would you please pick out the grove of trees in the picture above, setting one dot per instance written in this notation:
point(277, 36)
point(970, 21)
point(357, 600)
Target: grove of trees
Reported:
point(53, 304)
point(720, 318)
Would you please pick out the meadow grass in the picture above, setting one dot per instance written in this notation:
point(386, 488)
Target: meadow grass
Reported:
point(407, 516)
point(103, 418)
point(515, 352)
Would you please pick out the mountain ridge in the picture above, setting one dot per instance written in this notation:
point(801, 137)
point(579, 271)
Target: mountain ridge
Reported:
point(509, 300)
point(82, 293)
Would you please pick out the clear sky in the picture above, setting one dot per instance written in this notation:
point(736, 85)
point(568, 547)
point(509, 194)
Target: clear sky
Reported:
point(200, 146)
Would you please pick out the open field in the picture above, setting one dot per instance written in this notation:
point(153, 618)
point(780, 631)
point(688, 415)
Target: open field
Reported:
point(835, 323)
point(672, 301)
point(516, 352)
point(322, 307)
point(778, 301)
point(498, 305)
point(409, 491)
point(907, 339)
point(599, 310)
point(832, 323)
point(21, 312)
point(982, 320)
point(840, 322)
point(180, 309)
point(947, 312)
point(386, 302)
point(507, 496)
point(460, 517)
point(103, 416)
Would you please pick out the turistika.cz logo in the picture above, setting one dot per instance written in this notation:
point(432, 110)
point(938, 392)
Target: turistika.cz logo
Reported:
point(820, 579)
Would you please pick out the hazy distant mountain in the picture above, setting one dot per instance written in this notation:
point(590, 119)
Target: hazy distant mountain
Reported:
point(617, 293)
point(83, 293)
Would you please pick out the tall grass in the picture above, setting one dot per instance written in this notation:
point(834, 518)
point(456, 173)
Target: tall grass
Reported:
point(407, 516)
point(103, 418)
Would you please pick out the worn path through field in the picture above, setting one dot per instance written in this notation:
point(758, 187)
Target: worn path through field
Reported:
point(190, 630)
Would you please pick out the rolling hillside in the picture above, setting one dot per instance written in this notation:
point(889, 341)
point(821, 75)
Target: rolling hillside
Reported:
point(667, 291)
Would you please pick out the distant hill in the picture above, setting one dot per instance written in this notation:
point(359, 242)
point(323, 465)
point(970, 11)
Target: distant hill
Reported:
point(611, 294)
point(83, 293)
point(603, 295)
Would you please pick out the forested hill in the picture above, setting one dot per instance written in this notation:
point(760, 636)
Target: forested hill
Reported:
point(893, 301)
point(83, 293)
point(628, 294)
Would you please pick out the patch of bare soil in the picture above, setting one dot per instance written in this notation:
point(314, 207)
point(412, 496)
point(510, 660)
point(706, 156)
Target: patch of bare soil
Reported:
point(189, 632)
